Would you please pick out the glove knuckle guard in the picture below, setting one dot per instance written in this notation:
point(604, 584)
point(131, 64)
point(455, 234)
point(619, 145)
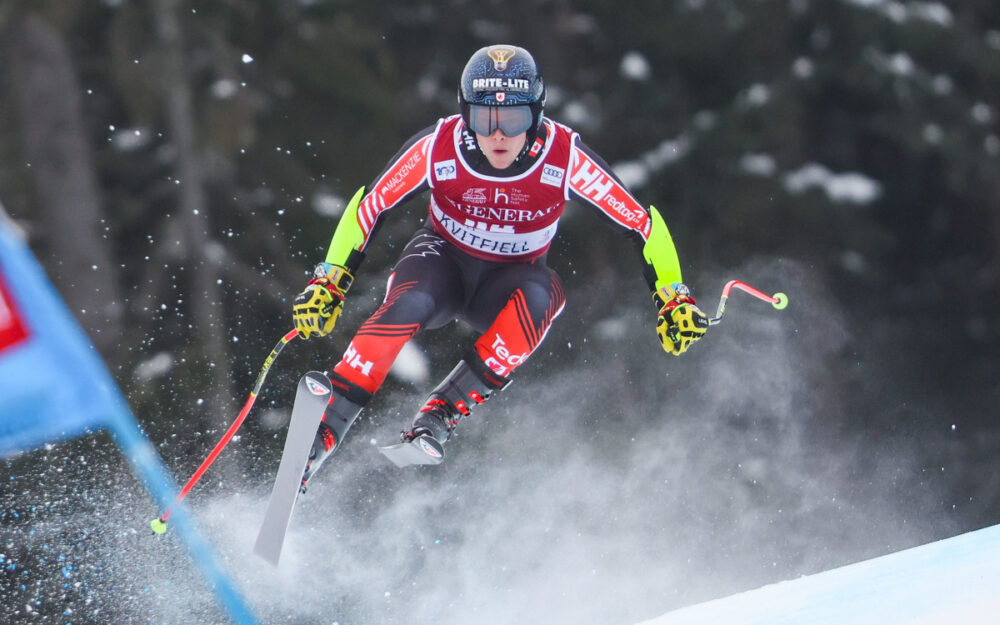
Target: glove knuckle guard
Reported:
point(316, 309)
point(680, 323)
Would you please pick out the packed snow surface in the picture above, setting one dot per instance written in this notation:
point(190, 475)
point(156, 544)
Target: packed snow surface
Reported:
point(956, 580)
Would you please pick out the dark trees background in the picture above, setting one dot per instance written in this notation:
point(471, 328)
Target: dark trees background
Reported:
point(179, 166)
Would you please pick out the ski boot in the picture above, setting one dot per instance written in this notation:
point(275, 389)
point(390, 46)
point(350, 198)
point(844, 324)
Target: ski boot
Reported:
point(338, 418)
point(452, 400)
point(447, 404)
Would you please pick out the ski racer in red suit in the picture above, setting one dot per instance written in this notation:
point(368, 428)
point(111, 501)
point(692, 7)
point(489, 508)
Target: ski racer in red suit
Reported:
point(499, 176)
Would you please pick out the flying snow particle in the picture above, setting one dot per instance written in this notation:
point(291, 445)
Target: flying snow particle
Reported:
point(982, 113)
point(328, 204)
point(803, 67)
point(756, 164)
point(755, 96)
point(634, 66)
point(158, 365)
point(992, 145)
point(224, 89)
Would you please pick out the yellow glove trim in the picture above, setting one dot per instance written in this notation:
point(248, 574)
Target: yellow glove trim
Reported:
point(680, 322)
point(317, 309)
point(687, 324)
point(660, 253)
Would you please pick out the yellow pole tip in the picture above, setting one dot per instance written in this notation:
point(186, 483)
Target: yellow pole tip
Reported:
point(781, 301)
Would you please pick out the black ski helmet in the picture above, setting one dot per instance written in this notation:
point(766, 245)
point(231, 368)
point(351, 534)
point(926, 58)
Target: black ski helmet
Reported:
point(503, 75)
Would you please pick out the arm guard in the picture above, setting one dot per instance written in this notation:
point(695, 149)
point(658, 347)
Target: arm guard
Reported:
point(663, 266)
point(348, 238)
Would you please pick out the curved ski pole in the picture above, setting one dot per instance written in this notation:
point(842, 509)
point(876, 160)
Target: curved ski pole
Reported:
point(778, 300)
point(160, 524)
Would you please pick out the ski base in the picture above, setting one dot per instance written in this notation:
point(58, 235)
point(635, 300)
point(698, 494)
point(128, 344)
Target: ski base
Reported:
point(311, 399)
point(422, 450)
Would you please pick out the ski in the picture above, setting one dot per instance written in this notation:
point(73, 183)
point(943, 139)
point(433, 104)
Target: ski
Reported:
point(424, 449)
point(311, 399)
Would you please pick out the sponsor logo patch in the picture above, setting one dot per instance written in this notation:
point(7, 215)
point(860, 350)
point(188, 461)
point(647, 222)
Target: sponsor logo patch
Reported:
point(475, 196)
point(500, 57)
point(401, 172)
point(316, 388)
point(356, 362)
point(429, 449)
point(502, 85)
point(553, 175)
point(503, 361)
point(445, 170)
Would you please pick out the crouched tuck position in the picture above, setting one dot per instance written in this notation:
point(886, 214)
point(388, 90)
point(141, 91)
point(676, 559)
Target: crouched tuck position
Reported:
point(499, 174)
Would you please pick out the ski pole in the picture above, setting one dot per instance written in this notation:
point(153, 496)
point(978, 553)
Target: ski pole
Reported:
point(778, 300)
point(159, 525)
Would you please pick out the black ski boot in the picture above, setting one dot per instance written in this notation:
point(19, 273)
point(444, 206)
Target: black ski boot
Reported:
point(453, 399)
point(470, 383)
point(338, 418)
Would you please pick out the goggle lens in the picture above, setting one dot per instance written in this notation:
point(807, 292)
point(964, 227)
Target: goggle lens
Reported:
point(511, 120)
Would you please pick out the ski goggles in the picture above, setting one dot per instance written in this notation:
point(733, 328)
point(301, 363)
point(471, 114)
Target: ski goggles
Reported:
point(511, 120)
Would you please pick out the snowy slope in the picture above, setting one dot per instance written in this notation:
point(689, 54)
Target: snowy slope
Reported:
point(951, 581)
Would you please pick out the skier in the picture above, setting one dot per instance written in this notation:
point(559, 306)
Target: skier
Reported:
point(499, 175)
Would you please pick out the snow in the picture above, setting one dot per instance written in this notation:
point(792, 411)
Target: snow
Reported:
point(756, 164)
point(127, 139)
point(411, 365)
point(160, 364)
point(803, 68)
point(546, 510)
point(328, 204)
point(956, 580)
point(850, 187)
point(982, 113)
point(635, 174)
point(578, 114)
point(634, 66)
point(991, 144)
point(755, 96)
point(934, 13)
point(225, 88)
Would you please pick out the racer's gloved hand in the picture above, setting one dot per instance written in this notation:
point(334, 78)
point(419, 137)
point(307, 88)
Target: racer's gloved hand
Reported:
point(318, 306)
point(680, 322)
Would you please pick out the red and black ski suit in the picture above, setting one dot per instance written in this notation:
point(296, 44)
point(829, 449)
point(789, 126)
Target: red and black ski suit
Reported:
point(480, 257)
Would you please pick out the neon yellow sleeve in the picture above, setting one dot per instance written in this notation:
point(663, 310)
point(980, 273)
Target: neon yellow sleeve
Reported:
point(660, 253)
point(348, 237)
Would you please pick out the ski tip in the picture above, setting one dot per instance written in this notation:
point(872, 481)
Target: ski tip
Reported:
point(317, 383)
